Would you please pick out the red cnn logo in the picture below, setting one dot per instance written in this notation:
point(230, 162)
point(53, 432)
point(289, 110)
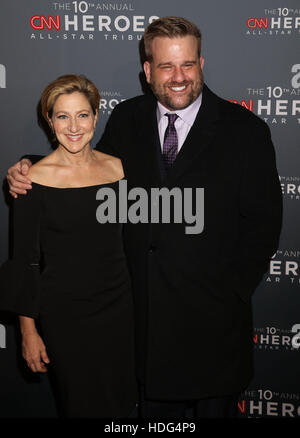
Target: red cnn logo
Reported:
point(39, 22)
point(253, 23)
point(243, 103)
point(242, 406)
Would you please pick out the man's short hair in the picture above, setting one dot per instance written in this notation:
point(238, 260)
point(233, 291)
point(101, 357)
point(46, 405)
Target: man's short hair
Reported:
point(169, 27)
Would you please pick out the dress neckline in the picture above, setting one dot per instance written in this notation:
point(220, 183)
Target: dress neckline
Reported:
point(80, 187)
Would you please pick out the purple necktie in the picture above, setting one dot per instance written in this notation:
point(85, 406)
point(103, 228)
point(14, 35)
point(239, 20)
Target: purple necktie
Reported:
point(170, 145)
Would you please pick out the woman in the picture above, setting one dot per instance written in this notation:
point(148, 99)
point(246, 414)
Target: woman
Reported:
point(70, 271)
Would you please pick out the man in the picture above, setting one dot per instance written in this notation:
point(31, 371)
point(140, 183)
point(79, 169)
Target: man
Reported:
point(193, 291)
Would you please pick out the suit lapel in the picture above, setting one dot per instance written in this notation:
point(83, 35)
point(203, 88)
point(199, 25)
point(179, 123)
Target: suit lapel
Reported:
point(199, 138)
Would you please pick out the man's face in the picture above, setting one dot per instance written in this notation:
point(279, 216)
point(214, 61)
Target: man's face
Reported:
point(175, 72)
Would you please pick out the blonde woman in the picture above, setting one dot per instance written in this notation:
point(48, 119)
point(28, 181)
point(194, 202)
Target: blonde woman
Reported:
point(68, 270)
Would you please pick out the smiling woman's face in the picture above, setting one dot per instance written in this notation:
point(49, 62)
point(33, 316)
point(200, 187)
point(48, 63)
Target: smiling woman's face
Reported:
point(73, 121)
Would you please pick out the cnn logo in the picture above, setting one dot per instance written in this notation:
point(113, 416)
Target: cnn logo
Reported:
point(40, 22)
point(2, 76)
point(253, 23)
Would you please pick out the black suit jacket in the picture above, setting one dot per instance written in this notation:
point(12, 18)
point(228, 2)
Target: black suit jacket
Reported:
point(193, 292)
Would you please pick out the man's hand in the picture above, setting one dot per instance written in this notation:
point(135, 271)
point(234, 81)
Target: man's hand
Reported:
point(17, 179)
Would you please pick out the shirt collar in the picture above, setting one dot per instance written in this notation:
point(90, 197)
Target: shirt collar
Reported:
point(187, 114)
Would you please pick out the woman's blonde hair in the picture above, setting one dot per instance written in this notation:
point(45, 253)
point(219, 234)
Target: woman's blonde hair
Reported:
point(68, 84)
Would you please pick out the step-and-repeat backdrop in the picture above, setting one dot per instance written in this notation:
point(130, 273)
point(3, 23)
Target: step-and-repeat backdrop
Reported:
point(252, 58)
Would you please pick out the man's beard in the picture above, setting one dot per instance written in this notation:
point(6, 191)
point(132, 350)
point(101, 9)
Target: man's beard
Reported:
point(169, 102)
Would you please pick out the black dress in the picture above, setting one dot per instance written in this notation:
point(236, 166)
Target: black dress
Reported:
point(70, 271)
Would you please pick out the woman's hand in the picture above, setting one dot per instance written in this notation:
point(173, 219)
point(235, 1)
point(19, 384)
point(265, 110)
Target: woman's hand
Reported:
point(17, 179)
point(34, 352)
point(33, 347)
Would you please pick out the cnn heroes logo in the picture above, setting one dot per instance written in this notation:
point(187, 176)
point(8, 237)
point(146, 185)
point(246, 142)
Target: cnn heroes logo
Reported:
point(284, 267)
point(109, 99)
point(259, 403)
point(290, 186)
point(83, 20)
point(277, 339)
point(2, 76)
point(279, 21)
point(276, 104)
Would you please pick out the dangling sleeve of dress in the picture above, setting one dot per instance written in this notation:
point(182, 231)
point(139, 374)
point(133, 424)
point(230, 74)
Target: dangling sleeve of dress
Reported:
point(20, 276)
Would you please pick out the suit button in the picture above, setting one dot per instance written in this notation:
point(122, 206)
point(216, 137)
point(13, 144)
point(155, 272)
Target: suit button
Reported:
point(152, 248)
